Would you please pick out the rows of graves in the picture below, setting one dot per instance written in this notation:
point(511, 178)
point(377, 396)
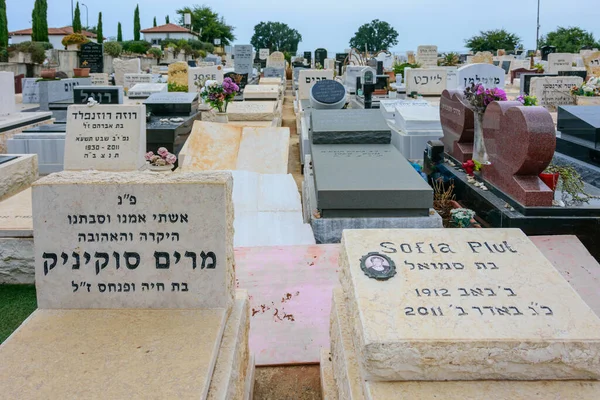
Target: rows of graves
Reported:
point(135, 268)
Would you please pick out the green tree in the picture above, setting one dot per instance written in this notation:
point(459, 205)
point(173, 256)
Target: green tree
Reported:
point(493, 40)
point(167, 20)
point(35, 20)
point(77, 20)
point(208, 24)
point(154, 22)
point(43, 22)
point(100, 37)
point(569, 40)
point(136, 23)
point(3, 25)
point(276, 36)
point(376, 35)
point(119, 33)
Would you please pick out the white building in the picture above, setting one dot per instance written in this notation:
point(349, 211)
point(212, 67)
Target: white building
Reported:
point(157, 34)
point(55, 36)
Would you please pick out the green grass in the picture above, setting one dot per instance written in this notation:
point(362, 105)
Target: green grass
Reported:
point(16, 303)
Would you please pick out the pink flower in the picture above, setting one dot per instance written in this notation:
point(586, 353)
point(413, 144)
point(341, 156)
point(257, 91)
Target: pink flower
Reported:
point(162, 151)
point(149, 155)
point(171, 158)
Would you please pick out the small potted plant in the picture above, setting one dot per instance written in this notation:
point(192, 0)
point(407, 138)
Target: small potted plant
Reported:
point(74, 40)
point(161, 162)
point(82, 72)
point(539, 68)
point(571, 183)
point(218, 96)
point(462, 217)
point(528, 101)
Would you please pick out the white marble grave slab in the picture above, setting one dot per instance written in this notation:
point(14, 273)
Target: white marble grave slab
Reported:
point(261, 92)
point(307, 78)
point(144, 90)
point(264, 150)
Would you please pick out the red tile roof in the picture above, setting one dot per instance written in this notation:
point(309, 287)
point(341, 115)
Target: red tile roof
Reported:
point(167, 28)
point(65, 30)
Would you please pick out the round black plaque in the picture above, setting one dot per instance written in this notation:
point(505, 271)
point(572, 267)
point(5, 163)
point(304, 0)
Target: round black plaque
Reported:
point(328, 91)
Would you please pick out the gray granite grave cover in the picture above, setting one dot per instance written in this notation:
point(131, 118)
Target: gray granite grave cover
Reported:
point(369, 180)
point(172, 103)
point(349, 127)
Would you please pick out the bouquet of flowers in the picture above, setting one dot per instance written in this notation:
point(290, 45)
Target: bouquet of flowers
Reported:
point(219, 95)
point(527, 100)
point(479, 97)
point(590, 88)
point(163, 158)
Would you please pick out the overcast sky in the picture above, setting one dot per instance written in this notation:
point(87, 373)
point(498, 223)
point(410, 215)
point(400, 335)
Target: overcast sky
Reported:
point(331, 23)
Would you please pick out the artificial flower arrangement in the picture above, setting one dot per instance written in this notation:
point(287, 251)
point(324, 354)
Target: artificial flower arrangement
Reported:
point(162, 159)
point(479, 97)
point(462, 217)
point(527, 101)
point(591, 88)
point(219, 95)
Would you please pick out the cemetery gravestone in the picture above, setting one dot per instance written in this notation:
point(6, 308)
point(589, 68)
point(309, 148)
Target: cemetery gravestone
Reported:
point(388, 107)
point(130, 80)
point(559, 62)
point(328, 94)
point(329, 63)
point(122, 67)
point(101, 94)
point(482, 57)
point(554, 91)
point(582, 74)
point(352, 72)
point(592, 63)
point(270, 72)
point(307, 78)
point(91, 55)
point(105, 137)
point(59, 90)
point(145, 90)
point(425, 81)
point(7, 93)
point(263, 54)
point(546, 50)
point(320, 56)
point(427, 56)
point(410, 56)
point(31, 92)
point(308, 58)
point(488, 75)
point(457, 124)
point(505, 65)
point(178, 76)
point(201, 74)
point(172, 103)
point(482, 298)
point(136, 248)
point(520, 143)
point(526, 81)
point(388, 59)
point(100, 79)
point(276, 60)
point(349, 127)
point(451, 77)
point(243, 59)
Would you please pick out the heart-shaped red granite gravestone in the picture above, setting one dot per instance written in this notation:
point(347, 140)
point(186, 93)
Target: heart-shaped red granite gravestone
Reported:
point(457, 124)
point(520, 142)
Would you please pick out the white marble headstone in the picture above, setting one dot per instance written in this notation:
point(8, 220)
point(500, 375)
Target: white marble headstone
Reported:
point(488, 75)
point(123, 67)
point(214, 73)
point(427, 56)
point(7, 93)
point(243, 59)
point(308, 77)
point(431, 81)
point(559, 62)
point(276, 60)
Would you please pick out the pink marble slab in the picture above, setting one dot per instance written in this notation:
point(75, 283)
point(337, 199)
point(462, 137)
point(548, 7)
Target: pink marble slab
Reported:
point(290, 290)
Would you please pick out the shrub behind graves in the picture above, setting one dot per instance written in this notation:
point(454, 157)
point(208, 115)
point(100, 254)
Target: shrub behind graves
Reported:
point(36, 49)
point(113, 49)
point(74, 38)
point(136, 46)
point(399, 68)
point(156, 53)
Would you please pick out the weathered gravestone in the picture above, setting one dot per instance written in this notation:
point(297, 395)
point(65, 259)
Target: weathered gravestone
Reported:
point(457, 124)
point(431, 81)
point(592, 63)
point(359, 126)
point(307, 78)
point(100, 79)
point(554, 91)
point(135, 248)
point(439, 301)
point(243, 59)
point(145, 90)
point(105, 137)
point(91, 55)
point(559, 62)
point(261, 92)
point(487, 75)
point(482, 57)
point(328, 94)
point(130, 80)
point(320, 56)
point(201, 74)
point(31, 91)
point(525, 81)
point(101, 94)
point(427, 56)
point(263, 54)
point(520, 142)
point(271, 72)
point(178, 76)
point(123, 67)
point(7, 94)
point(276, 60)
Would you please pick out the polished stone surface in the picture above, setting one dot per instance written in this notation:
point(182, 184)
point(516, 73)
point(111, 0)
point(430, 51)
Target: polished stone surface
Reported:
point(211, 147)
point(349, 127)
point(580, 124)
point(457, 124)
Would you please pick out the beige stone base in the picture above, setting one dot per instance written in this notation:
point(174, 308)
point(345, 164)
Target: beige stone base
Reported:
point(18, 174)
point(350, 384)
point(112, 354)
point(328, 388)
point(4, 136)
point(249, 384)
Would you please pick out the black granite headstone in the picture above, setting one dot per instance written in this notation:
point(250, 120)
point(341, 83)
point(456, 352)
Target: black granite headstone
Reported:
point(547, 50)
point(308, 57)
point(173, 103)
point(505, 66)
point(320, 56)
point(328, 91)
point(581, 124)
point(48, 128)
point(91, 56)
point(581, 74)
point(102, 94)
point(192, 63)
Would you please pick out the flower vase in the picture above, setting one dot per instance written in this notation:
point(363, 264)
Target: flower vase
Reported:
point(160, 168)
point(221, 118)
point(479, 152)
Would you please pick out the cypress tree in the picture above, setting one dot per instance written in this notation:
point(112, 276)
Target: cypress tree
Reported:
point(167, 19)
point(77, 20)
point(136, 23)
point(100, 37)
point(3, 25)
point(43, 21)
point(155, 22)
point(35, 21)
point(119, 33)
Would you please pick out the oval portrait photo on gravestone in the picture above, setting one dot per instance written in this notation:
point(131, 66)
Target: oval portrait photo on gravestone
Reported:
point(378, 266)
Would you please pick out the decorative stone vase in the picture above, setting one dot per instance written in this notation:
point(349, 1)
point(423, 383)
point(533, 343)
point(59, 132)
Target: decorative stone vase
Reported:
point(48, 73)
point(587, 100)
point(221, 118)
point(550, 179)
point(81, 72)
point(479, 152)
point(160, 168)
